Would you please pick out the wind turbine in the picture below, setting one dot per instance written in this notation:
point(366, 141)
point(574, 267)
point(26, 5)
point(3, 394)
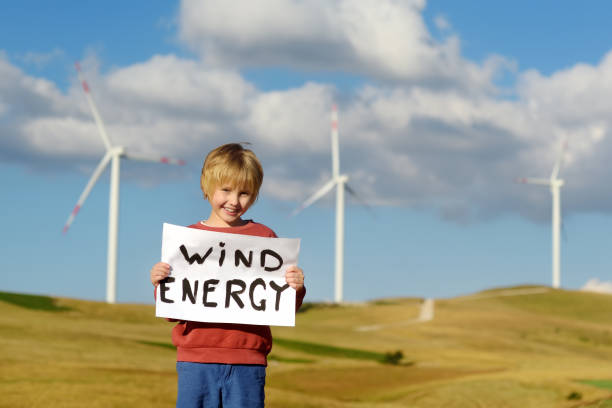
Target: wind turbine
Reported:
point(555, 184)
point(113, 155)
point(339, 181)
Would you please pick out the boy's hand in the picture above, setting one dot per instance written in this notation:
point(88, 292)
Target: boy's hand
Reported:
point(294, 276)
point(159, 271)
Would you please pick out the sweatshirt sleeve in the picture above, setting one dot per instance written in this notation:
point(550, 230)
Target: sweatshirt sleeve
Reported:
point(299, 298)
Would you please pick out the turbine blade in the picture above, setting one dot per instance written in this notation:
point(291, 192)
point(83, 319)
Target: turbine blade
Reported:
point(359, 199)
point(529, 180)
point(320, 193)
point(94, 109)
point(557, 166)
point(94, 177)
point(161, 159)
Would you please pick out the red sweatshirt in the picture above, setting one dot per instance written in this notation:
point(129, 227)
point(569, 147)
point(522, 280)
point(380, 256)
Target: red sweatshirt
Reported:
point(222, 342)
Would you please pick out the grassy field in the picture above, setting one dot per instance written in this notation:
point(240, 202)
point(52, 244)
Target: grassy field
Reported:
point(550, 349)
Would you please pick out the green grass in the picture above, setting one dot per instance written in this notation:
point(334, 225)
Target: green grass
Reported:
point(33, 302)
point(273, 357)
point(605, 384)
point(329, 351)
point(605, 402)
point(162, 344)
point(487, 351)
point(583, 305)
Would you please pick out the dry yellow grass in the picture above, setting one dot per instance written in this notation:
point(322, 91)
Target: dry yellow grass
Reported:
point(490, 351)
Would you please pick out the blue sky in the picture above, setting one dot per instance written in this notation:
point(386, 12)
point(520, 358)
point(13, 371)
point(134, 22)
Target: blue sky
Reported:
point(441, 105)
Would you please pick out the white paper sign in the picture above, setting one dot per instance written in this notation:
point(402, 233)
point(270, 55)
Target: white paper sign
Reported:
point(226, 278)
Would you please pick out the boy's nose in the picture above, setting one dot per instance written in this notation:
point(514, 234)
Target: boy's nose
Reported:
point(233, 198)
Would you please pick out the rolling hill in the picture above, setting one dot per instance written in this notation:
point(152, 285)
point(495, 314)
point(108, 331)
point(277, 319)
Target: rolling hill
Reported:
point(508, 347)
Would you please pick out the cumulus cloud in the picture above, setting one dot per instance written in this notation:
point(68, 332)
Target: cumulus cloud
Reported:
point(383, 39)
point(573, 102)
point(25, 100)
point(167, 83)
point(428, 141)
point(595, 285)
point(162, 106)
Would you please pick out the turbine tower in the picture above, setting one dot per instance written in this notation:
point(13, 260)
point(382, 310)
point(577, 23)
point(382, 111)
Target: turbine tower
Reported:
point(555, 184)
point(113, 155)
point(339, 181)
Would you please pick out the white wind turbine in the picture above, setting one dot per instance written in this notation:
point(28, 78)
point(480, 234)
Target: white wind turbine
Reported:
point(113, 155)
point(555, 184)
point(339, 181)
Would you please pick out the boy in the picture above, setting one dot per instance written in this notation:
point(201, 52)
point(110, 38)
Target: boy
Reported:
point(223, 365)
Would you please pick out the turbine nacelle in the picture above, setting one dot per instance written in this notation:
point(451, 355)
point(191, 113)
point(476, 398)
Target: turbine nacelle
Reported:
point(557, 183)
point(117, 151)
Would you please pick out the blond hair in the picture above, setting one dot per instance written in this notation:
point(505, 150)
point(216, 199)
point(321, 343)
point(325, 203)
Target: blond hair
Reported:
point(234, 165)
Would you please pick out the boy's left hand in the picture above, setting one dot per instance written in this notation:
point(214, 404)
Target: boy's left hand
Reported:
point(294, 276)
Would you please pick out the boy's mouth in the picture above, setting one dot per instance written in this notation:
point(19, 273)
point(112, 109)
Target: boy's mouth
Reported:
point(231, 211)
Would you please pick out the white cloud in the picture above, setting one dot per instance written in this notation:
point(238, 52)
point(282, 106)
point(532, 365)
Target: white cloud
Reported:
point(62, 136)
point(167, 83)
point(417, 143)
point(571, 95)
point(292, 119)
point(595, 285)
point(385, 39)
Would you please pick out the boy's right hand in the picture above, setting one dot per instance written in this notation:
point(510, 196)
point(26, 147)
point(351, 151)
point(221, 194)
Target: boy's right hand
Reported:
point(159, 272)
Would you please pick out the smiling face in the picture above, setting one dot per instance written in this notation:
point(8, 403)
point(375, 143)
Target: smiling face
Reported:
point(228, 203)
point(231, 178)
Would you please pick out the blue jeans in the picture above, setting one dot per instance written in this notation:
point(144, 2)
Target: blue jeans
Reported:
point(220, 385)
